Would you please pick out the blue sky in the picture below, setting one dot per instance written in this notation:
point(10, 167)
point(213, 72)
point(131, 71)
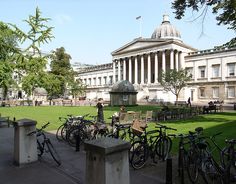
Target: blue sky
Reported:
point(90, 30)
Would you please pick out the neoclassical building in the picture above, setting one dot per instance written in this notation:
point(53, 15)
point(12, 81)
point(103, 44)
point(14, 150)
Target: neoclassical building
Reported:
point(142, 60)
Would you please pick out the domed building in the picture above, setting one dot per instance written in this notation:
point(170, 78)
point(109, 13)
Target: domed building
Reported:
point(142, 60)
point(123, 93)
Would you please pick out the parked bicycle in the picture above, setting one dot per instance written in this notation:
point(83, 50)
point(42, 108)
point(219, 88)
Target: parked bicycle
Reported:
point(44, 144)
point(151, 143)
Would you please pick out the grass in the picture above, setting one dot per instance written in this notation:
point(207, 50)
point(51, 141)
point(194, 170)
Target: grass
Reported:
point(212, 123)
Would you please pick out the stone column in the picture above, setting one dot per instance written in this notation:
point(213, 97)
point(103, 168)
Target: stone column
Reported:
point(171, 59)
point(149, 69)
point(164, 61)
point(156, 67)
point(107, 161)
point(130, 70)
point(181, 62)
point(136, 70)
point(114, 72)
point(119, 73)
point(142, 69)
point(25, 146)
point(124, 69)
point(177, 60)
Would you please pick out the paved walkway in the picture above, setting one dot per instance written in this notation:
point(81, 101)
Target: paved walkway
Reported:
point(71, 171)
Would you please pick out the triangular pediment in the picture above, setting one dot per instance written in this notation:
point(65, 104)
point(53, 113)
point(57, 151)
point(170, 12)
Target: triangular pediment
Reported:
point(138, 44)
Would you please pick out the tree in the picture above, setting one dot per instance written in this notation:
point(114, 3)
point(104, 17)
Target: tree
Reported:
point(8, 51)
point(225, 11)
point(174, 81)
point(61, 68)
point(32, 63)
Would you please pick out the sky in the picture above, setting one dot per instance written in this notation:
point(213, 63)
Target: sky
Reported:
point(90, 30)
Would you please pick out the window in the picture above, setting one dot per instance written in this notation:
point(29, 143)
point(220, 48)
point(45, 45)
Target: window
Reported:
point(231, 92)
point(99, 81)
point(215, 92)
point(190, 71)
point(105, 80)
point(110, 79)
point(202, 71)
point(94, 81)
point(85, 81)
point(215, 70)
point(202, 92)
point(231, 69)
point(90, 81)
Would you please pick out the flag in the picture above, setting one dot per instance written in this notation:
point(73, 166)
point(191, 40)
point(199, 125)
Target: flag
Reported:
point(138, 17)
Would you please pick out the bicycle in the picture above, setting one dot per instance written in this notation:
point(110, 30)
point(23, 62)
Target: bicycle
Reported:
point(159, 144)
point(44, 144)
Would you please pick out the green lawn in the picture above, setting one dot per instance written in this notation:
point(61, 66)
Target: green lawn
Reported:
point(212, 123)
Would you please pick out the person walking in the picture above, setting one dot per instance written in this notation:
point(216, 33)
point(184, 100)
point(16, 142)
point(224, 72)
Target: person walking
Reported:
point(100, 105)
point(189, 102)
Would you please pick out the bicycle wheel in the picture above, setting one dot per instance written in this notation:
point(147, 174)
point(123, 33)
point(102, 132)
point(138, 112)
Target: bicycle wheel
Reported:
point(211, 174)
point(53, 152)
point(58, 134)
point(229, 163)
point(39, 148)
point(192, 166)
point(138, 155)
point(163, 147)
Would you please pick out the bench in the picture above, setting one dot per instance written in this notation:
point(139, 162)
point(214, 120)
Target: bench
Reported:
point(67, 102)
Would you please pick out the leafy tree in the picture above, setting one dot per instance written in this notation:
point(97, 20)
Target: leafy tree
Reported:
point(225, 11)
point(174, 81)
point(77, 88)
point(32, 63)
point(61, 68)
point(8, 51)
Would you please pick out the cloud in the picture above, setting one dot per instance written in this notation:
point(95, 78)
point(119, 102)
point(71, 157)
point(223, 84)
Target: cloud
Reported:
point(63, 19)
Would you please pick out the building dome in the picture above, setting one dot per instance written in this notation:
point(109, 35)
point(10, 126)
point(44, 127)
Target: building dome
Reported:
point(123, 86)
point(166, 30)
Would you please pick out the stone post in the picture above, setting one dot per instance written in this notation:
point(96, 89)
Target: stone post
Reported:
point(25, 147)
point(107, 161)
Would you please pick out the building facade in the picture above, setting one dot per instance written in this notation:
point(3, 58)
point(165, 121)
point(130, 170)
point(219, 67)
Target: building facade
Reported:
point(142, 60)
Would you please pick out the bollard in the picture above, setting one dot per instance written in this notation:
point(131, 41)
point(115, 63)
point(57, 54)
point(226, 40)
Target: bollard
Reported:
point(107, 161)
point(77, 142)
point(169, 171)
point(25, 147)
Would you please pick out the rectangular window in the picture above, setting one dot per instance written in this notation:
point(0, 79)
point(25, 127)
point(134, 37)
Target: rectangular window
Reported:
point(105, 80)
point(202, 92)
point(216, 71)
point(231, 69)
point(215, 92)
point(94, 81)
point(99, 81)
point(85, 81)
point(202, 72)
point(231, 92)
point(190, 71)
point(110, 80)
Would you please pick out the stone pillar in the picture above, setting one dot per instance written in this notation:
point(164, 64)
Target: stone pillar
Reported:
point(142, 69)
point(130, 70)
point(156, 67)
point(25, 146)
point(114, 72)
point(107, 161)
point(124, 69)
point(149, 69)
point(181, 62)
point(164, 61)
point(136, 70)
point(177, 60)
point(171, 59)
point(119, 73)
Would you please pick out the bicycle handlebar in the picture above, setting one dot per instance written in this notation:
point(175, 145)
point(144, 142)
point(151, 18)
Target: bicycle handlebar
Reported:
point(165, 127)
point(38, 130)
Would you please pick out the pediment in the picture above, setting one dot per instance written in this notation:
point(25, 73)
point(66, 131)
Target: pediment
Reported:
point(137, 45)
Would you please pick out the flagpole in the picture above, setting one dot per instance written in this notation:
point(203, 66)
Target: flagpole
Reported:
point(139, 18)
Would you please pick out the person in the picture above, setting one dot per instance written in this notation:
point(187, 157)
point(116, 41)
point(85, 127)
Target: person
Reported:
point(116, 115)
point(189, 102)
point(100, 105)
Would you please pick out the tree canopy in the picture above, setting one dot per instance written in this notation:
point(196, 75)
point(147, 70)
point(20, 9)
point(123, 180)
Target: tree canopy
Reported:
point(173, 80)
point(225, 11)
point(8, 51)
